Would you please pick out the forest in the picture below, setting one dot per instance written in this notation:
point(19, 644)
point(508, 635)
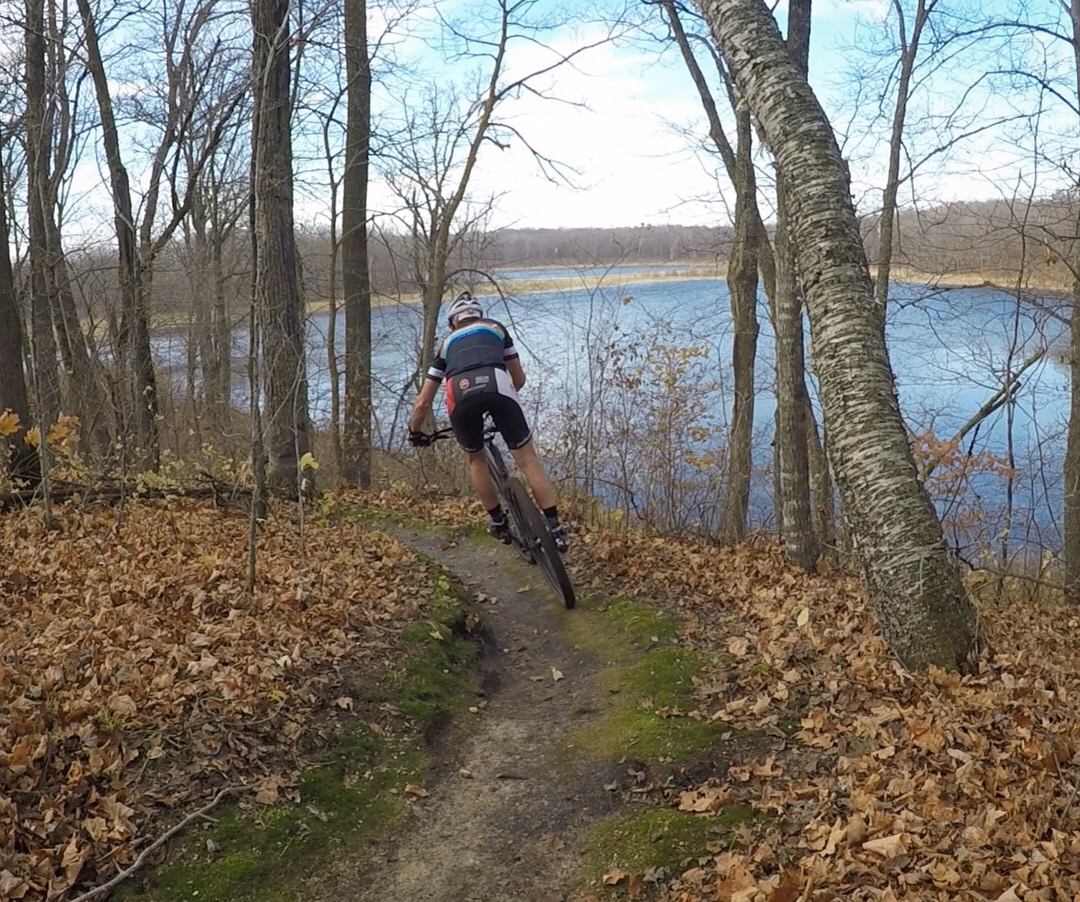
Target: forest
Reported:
point(252, 645)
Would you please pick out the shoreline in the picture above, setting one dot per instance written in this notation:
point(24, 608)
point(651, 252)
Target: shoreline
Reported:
point(677, 272)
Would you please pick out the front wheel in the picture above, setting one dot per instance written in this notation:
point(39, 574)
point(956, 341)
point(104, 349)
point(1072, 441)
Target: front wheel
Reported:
point(543, 545)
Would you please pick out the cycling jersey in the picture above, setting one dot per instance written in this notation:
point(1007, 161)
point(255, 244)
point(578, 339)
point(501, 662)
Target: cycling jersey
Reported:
point(480, 342)
point(472, 360)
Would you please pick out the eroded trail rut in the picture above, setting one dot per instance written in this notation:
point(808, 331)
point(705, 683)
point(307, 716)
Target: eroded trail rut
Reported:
point(509, 797)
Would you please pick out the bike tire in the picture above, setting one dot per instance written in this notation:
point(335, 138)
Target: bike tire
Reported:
point(518, 526)
point(547, 555)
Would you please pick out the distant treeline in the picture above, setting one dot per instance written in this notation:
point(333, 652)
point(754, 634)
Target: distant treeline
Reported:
point(990, 237)
point(577, 246)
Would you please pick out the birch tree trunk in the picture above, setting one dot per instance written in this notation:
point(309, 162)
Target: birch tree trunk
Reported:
point(792, 399)
point(911, 579)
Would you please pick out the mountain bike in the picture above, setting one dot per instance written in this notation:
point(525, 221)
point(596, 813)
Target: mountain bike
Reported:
point(528, 526)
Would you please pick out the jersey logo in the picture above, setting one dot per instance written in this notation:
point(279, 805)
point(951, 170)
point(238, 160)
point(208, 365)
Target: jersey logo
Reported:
point(463, 384)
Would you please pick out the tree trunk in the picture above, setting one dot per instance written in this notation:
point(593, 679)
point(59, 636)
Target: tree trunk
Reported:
point(21, 461)
point(742, 281)
point(87, 395)
point(135, 362)
point(821, 488)
point(46, 376)
point(751, 251)
point(886, 224)
point(792, 398)
point(356, 276)
point(1070, 545)
point(277, 289)
point(911, 579)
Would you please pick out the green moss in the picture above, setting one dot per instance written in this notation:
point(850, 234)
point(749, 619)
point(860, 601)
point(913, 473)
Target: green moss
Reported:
point(434, 673)
point(646, 673)
point(259, 853)
point(346, 804)
point(658, 840)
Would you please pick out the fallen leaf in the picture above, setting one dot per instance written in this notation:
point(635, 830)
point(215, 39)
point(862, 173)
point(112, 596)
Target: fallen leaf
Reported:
point(418, 791)
point(887, 846)
point(12, 887)
point(703, 799)
point(789, 890)
point(556, 674)
point(614, 877)
point(123, 705)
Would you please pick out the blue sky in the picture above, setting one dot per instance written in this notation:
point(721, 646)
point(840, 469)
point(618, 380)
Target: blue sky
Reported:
point(635, 166)
point(629, 120)
point(628, 141)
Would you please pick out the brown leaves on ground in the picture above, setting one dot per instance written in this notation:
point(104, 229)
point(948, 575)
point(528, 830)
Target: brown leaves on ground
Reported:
point(138, 674)
point(882, 784)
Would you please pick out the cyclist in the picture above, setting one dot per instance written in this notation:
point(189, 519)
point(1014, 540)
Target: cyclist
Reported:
point(482, 370)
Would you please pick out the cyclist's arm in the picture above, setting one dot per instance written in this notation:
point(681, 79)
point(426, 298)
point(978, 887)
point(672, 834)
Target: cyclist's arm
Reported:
point(517, 374)
point(422, 405)
point(511, 359)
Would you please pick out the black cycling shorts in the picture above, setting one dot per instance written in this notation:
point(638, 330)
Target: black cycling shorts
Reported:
point(467, 419)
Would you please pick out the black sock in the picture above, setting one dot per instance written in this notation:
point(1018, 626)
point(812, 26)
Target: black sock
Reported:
point(496, 514)
point(552, 513)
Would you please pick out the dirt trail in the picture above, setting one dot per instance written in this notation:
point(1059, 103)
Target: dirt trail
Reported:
point(508, 797)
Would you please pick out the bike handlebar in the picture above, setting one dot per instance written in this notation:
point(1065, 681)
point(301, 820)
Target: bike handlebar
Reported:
point(423, 439)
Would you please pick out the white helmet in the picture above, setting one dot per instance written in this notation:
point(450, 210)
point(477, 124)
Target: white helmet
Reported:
point(463, 307)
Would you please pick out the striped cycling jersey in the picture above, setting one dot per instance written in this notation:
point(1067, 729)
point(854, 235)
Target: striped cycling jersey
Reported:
point(479, 343)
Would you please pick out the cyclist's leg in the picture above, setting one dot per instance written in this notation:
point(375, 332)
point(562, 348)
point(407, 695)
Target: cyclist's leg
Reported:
point(530, 464)
point(510, 420)
point(543, 491)
point(468, 423)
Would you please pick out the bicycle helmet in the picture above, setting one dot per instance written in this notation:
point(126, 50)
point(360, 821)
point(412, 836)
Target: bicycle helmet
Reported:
point(463, 307)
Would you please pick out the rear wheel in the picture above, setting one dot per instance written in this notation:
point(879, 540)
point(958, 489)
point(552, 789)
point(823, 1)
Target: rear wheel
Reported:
point(512, 491)
point(543, 545)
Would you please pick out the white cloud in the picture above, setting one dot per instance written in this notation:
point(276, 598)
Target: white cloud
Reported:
point(614, 128)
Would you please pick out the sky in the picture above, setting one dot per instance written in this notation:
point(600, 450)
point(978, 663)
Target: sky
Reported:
point(623, 120)
point(622, 132)
point(633, 165)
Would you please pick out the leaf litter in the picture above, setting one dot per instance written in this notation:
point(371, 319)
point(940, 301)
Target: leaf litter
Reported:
point(139, 676)
point(881, 784)
point(884, 784)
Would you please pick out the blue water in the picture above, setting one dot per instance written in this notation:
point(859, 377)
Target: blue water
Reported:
point(584, 349)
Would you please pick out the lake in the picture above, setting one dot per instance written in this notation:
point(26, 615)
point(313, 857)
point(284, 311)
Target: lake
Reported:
point(606, 353)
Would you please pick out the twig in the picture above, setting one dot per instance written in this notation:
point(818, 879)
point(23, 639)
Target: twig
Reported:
point(156, 844)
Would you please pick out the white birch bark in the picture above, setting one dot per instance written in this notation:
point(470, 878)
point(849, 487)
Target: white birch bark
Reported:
point(911, 579)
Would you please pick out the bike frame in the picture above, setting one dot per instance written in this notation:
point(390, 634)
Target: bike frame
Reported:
point(528, 530)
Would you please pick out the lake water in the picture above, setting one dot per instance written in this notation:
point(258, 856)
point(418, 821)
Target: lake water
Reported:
point(583, 349)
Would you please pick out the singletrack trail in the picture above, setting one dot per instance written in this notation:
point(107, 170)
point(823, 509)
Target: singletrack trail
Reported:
point(508, 797)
